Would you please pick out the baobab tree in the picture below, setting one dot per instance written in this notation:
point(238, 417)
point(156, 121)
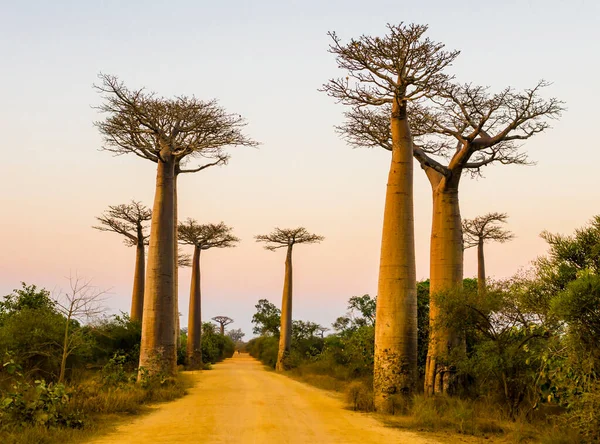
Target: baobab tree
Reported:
point(385, 75)
point(322, 331)
point(463, 128)
point(286, 238)
point(168, 132)
point(223, 321)
point(480, 230)
point(129, 220)
point(201, 237)
point(486, 129)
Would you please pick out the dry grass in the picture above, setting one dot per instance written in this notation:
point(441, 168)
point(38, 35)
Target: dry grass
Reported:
point(446, 418)
point(103, 408)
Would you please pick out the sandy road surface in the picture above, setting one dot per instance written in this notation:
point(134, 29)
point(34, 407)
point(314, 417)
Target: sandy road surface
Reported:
point(240, 402)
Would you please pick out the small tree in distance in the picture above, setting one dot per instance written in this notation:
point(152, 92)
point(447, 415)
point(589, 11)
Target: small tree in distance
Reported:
point(236, 335)
point(202, 237)
point(223, 321)
point(129, 220)
point(286, 238)
point(479, 230)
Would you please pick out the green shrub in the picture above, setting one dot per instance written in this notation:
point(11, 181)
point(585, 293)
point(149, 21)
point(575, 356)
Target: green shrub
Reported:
point(264, 348)
point(39, 404)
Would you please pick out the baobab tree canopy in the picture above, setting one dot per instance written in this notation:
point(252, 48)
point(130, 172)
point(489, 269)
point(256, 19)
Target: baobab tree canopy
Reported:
point(206, 236)
point(486, 126)
point(149, 126)
point(399, 67)
point(285, 237)
point(484, 228)
point(223, 321)
point(129, 220)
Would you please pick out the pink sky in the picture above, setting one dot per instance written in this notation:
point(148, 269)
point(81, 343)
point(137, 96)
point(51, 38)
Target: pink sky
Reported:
point(266, 63)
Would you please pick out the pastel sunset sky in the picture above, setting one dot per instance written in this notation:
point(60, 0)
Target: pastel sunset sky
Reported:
point(265, 60)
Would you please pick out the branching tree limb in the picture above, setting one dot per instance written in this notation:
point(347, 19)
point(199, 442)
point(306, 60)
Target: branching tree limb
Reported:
point(287, 237)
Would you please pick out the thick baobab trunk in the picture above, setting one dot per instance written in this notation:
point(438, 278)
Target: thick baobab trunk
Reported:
point(194, 341)
point(158, 347)
point(446, 274)
point(137, 298)
point(480, 268)
point(285, 333)
point(395, 367)
point(176, 264)
point(222, 329)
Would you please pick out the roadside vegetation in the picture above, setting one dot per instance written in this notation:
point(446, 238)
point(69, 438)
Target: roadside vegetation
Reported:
point(100, 372)
point(529, 370)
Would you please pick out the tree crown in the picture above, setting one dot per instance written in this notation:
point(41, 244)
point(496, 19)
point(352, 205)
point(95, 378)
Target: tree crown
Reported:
point(223, 320)
point(401, 66)
point(287, 237)
point(206, 236)
point(157, 128)
point(486, 227)
point(128, 220)
point(465, 125)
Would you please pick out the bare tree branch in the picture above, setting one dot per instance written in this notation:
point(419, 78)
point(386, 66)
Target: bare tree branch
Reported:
point(401, 66)
point(153, 127)
point(127, 220)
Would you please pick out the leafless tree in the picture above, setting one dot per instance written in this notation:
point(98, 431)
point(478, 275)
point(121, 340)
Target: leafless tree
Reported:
point(82, 301)
point(459, 129)
point(168, 132)
point(286, 238)
point(202, 237)
point(480, 230)
point(223, 321)
point(130, 220)
point(387, 76)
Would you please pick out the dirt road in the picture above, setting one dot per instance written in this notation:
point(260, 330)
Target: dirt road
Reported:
point(240, 402)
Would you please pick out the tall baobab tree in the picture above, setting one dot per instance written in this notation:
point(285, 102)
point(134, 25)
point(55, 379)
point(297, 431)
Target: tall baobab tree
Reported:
point(129, 220)
point(485, 129)
point(201, 237)
point(167, 132)
point(286, 238)
point(463, 128)
point(385, 75)
point(222, 321)
point(480, 230)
